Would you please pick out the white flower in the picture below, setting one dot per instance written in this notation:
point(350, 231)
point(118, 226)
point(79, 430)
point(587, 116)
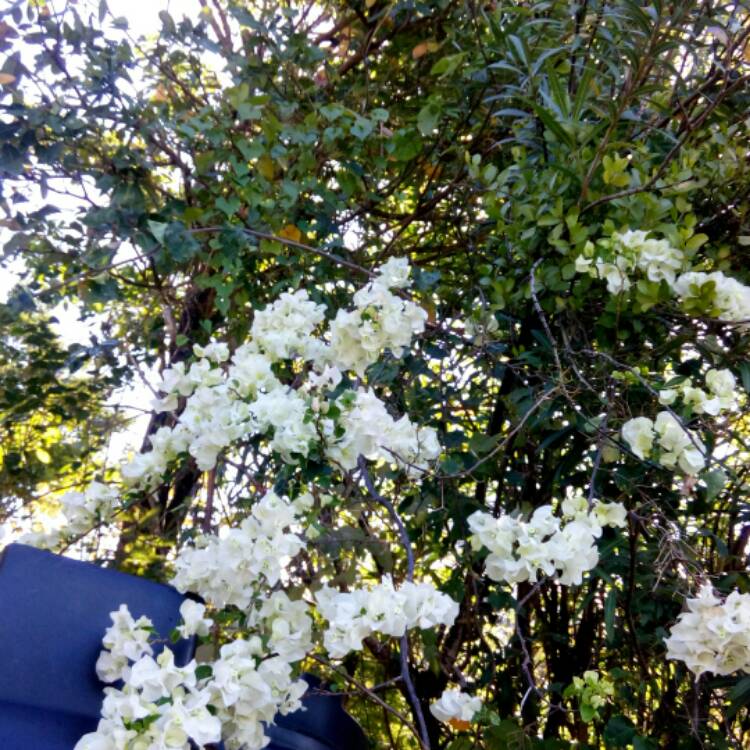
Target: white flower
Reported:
point(158, 678)
point(611, 514)
point(639, 434)
point(730, 298)
point(520, 550)
point(215, 351)
point(628, 251)
point(284, 328)
point(615, 274)
point(723, 384)
point(453, 705)
point(82, 511)
point(394, 274)
point(659, 260)
point(125, 641)
point(250, 372)
point(699, 401)
point(583, 264)
point(380, 321)
point(288, 623)
point(370, 431)
point(679, 446)
point(712, 635)
point(284, 411)
point(231, 569)
point(193, 620)
point(354, 615)
point(668, 396)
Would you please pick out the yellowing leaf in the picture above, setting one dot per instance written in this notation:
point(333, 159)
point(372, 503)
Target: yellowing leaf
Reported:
point(267, 167)
point(6, 78)
point(370, 3)
point(160, 94)
point(290, 232)
point(419, 51)
point(432, 171)
point(423, 48)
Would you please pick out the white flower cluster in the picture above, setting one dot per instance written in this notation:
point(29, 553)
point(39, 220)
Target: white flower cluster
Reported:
point(677, 445)
point(380, 320)
point(161, 705)
point(714, 634)
point(230, 570)
point(456, 708)
point(217, 411)
point(286, 624)
point(79, 513)
point(566, 547)
point(729, 299)
point(721, 394)
point(125, 641)
point(382, 608)
point(247, 690)
point(626, 252)
point(230, 398)
point(284, 330)
point(165, 706)
point(369, 430)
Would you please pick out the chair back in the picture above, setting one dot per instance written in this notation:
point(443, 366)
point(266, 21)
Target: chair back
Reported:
point(53, 614)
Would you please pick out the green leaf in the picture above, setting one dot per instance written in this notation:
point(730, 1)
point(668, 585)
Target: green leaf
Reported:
point(429, 116)
point(447, 65)
point(739, 696)
point(167, 22)
point(362, 128)
point(248, 111)
point(203, 671)
point(745, 375)
point(588, 713)
point(619, 731)
point(158, 229)
point(549, 120)
point(715, 482)
point(228, 206)
point(695, 242)
point(481, 444)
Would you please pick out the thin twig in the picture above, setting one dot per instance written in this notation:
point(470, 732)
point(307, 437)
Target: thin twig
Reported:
point(291, 243)
point(210, 489)
point(365, 691)
point(404, 642)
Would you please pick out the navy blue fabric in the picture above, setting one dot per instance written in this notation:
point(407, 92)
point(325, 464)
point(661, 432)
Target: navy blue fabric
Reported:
point(53, 614)
point(28, 728)
point(324, 725)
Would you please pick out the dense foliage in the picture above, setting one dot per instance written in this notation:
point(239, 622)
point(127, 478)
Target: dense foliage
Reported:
point(173, 186)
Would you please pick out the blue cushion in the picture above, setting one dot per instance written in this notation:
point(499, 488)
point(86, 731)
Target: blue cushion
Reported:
point(323, 726)
point(31, 729)
point(53, 616)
